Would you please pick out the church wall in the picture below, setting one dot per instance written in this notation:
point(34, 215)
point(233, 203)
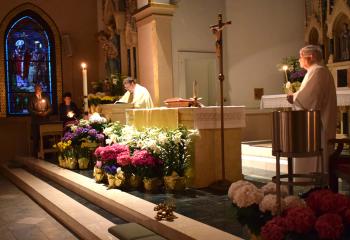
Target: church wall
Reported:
point(78, 20)
point(261, 34)
point(190, 30)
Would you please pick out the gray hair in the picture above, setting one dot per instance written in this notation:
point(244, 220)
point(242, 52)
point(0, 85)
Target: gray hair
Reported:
point(313, 51)
point(129, 80)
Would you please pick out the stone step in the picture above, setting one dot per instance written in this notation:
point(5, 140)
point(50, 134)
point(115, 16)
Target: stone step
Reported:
point(125, 205)
point(82, 221)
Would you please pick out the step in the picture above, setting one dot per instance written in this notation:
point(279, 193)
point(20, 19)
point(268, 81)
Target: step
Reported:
point(125, 205)
point(82, 221)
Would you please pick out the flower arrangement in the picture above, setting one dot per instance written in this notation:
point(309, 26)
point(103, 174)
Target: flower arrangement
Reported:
point(324, 216)
point(147, 166)
point(253, 206)
point(294, 74)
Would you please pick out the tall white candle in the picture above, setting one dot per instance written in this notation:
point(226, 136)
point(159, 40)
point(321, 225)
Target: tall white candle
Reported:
point(85, 87)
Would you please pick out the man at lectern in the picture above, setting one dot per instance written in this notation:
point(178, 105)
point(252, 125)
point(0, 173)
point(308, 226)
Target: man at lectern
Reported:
point(136, 94)
point(317, 92)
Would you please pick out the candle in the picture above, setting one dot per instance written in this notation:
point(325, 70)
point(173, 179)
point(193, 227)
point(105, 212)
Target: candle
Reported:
point(85, 88)
point(195, 89)
point(285, 68)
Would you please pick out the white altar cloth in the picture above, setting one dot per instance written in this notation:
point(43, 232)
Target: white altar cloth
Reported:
point(280, 100)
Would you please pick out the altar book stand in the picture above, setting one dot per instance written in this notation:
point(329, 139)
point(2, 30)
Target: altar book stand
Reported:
point(296, 134)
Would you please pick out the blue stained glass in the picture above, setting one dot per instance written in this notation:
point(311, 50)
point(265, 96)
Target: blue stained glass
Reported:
point(28, 62)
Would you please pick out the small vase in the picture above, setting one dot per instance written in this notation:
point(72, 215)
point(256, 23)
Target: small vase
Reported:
point(134, 181)
point(175, 183)
point(151, 184)
point(83, 163)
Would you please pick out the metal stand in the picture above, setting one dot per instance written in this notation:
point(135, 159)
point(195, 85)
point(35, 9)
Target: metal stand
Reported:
point(315, 178)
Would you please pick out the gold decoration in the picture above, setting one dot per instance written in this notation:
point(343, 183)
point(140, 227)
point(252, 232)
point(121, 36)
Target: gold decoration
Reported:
point(165, 212)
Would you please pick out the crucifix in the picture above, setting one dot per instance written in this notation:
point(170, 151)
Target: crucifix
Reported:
point(217, 31)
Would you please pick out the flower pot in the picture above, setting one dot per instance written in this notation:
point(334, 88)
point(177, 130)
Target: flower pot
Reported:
point(61, 161)
point(120, 179)
point(83, 163)
point(134, 181)
point(151, 184)
point(111, 181)
point(72, 163)
point(98, 174)
point(175, 183)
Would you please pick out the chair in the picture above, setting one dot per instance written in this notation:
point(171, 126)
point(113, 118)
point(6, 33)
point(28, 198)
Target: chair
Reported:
point(339, 164)
point(50, 133)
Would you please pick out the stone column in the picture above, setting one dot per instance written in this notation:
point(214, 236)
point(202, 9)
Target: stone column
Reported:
point(155, 49)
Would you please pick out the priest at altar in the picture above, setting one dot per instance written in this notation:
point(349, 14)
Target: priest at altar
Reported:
point(136, 94)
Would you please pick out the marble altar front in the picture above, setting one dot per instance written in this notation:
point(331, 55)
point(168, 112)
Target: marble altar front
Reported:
point(207, 162)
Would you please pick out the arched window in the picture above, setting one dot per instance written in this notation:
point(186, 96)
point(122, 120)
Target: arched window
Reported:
point(29, 60)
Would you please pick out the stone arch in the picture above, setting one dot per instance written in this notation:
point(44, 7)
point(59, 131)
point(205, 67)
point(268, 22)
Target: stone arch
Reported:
point(5, 23)
point(314, 28)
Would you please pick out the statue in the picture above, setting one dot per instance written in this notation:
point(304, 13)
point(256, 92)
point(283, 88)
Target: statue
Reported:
point(111, 46)
point(344, 42)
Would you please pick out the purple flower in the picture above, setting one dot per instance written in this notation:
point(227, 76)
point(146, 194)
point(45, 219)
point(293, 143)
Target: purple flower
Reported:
point(100, 137)
point(68, 136)
point(110, 169)
point(92, 132)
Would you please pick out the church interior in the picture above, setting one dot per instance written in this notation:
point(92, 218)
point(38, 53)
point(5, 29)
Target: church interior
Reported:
point(171, 119)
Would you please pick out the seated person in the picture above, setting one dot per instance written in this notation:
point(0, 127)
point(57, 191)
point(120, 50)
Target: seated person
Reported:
point(136, 94)
point(69, 112)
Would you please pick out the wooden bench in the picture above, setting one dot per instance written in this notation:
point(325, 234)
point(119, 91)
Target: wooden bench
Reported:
point(133, 231)
point(339, 164)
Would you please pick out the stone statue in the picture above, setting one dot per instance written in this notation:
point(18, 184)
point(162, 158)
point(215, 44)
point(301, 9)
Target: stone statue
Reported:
point(344, 42)
point(111, 47)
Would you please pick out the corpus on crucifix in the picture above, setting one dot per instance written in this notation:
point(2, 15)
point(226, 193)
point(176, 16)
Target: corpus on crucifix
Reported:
point(217, 31)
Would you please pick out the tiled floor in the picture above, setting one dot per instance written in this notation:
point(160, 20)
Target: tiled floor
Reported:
point(23, 219)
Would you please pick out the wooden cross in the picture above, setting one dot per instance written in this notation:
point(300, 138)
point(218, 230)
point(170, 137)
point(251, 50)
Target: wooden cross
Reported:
point(217, 31)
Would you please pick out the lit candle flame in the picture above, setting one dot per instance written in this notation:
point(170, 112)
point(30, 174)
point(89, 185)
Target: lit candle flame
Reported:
point(285, 67)
point(70, 114)
point(83, 65)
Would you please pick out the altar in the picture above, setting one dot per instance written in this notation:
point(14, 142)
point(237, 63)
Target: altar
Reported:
point(207, 162)
point(279, 101)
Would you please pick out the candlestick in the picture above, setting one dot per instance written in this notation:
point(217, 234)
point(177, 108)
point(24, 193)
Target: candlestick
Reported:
point(85, 88)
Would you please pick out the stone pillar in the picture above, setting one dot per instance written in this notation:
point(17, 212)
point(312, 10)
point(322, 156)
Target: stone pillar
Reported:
point(155, 50)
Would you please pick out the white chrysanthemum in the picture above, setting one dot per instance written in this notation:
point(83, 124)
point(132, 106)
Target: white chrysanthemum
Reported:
point(270, 188)
point(269, 204)
point(294, 201)
point(247, 195)
point(234, 186)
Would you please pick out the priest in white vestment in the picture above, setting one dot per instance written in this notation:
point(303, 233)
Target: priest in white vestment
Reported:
point(317, 92)
point(136, 94)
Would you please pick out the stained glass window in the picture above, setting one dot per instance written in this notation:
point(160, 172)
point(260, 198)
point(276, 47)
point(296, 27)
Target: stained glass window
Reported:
point(27, 62)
